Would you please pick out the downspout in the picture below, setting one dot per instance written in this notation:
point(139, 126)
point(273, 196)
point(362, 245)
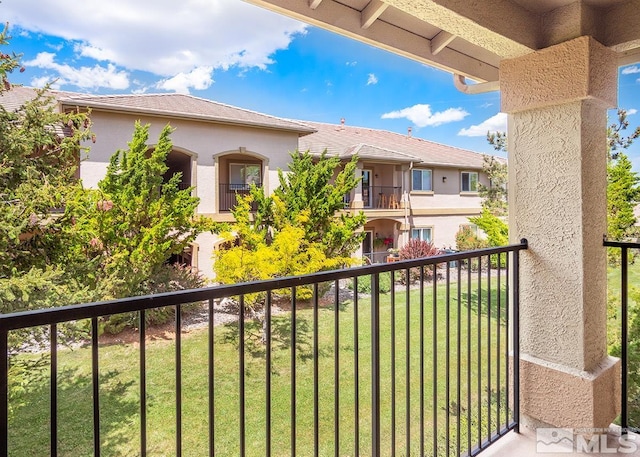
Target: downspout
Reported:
point(460, 82)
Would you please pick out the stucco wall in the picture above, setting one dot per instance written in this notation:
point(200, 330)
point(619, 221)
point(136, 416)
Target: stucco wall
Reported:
point(205, 140)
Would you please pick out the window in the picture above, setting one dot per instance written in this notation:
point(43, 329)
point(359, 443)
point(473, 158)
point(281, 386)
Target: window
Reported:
point(423, 233)
point(469, 181)
point(242, 175)
point(421, 179)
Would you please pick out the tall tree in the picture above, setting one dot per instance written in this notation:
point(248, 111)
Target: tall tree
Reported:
point(623, 194)
point(39, 154)
point(136, 220)
point(314, 190)
point(494, 196)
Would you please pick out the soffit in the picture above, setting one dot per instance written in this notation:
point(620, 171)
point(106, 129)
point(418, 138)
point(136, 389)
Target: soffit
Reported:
point(472, 37)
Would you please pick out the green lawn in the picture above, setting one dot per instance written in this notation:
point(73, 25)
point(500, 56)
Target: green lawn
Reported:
point(119, 385)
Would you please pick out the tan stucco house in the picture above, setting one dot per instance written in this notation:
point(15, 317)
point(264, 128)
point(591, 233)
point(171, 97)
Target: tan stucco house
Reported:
point(410, 187)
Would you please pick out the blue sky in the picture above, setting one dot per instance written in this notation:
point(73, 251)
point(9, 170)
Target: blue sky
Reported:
point(236, 53)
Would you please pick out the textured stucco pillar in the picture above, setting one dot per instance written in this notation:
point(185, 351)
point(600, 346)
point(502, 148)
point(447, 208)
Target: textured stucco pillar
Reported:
point(557, 101)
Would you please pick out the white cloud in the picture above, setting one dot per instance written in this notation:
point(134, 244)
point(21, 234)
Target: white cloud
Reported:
point(93, 52)
point(199, 79)
point(83, 77)
point(631, 111)
point(43, 81)
point(372, 79)
point(631, 70)
point(352, 63)
point(497, 123)
point(422, 116)
point(161, 36)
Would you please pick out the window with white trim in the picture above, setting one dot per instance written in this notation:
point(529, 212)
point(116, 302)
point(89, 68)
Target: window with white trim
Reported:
point(422, 233)
point(421, 179)
point(469, 181)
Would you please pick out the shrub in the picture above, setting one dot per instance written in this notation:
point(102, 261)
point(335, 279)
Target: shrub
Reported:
point(417, 249)
point(364, 283)
point(468, 240)
point(169, 278)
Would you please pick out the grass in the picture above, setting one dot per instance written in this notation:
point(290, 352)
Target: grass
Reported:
point(119, 384)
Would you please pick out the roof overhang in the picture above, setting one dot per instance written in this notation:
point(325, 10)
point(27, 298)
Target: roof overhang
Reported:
point(471, 38)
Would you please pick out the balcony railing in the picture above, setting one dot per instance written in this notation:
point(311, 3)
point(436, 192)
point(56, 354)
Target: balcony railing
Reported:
point(630, 404)
point(423, 369)
point(229, 193)
point(381, 197)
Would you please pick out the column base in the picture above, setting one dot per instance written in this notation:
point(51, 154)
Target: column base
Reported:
point(558, 396)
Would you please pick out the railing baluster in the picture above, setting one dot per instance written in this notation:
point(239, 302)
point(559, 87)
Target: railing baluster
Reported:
point(316, 389)
point(212, 428)
point(459, 358)
point(507, 324)
point(54, 391)
point(293, 370)
point(434, 324)
point(336, 371)
point(375, 365)
point(407, 364)
point(268, 363)
point(96, 386)
point(241, 380)
point(447, 359)
point(4, 392)
point(178, 331)
point(498, 317)
point(356, 369)
point(479, 330)
point(469, 336)
point(421, 333)
point(516, 340)
point(143, 382)
point(624, 355)
point(489, 349)
point(393, 364)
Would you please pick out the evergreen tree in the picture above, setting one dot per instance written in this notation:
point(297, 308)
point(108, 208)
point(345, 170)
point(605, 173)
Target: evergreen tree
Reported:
point(311, 196)
point(135, 220)
point(623, 193)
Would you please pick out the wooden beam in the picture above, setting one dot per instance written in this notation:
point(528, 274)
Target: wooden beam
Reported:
point(372, 12)
point(313, 4)
point(338, 18)
point(440, 41)
point(478, 23)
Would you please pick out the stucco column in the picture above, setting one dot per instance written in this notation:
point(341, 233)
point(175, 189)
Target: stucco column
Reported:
point(557, 101)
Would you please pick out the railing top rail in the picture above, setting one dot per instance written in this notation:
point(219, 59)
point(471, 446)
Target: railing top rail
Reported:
point(32, 318)
point(621, 244)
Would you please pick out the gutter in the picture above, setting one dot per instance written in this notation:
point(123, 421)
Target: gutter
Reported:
point(459, 81)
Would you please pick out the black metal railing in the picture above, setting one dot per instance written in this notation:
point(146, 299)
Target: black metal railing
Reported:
point(624, 342)
point(381, 197)
point(229, 193)
point(399, 367)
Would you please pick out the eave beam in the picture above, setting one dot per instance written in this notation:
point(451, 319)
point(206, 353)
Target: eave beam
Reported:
point(372, 12)
point(347, 21)
point(441, 41)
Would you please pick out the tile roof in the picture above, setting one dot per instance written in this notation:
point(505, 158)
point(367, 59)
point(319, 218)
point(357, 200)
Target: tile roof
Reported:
point(185, 106)
point(345, 141)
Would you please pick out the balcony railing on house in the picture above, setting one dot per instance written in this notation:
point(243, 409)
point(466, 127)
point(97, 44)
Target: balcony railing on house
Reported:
point(418, 362)
point(381, 197)
point(630, 401)
point(229, 193)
